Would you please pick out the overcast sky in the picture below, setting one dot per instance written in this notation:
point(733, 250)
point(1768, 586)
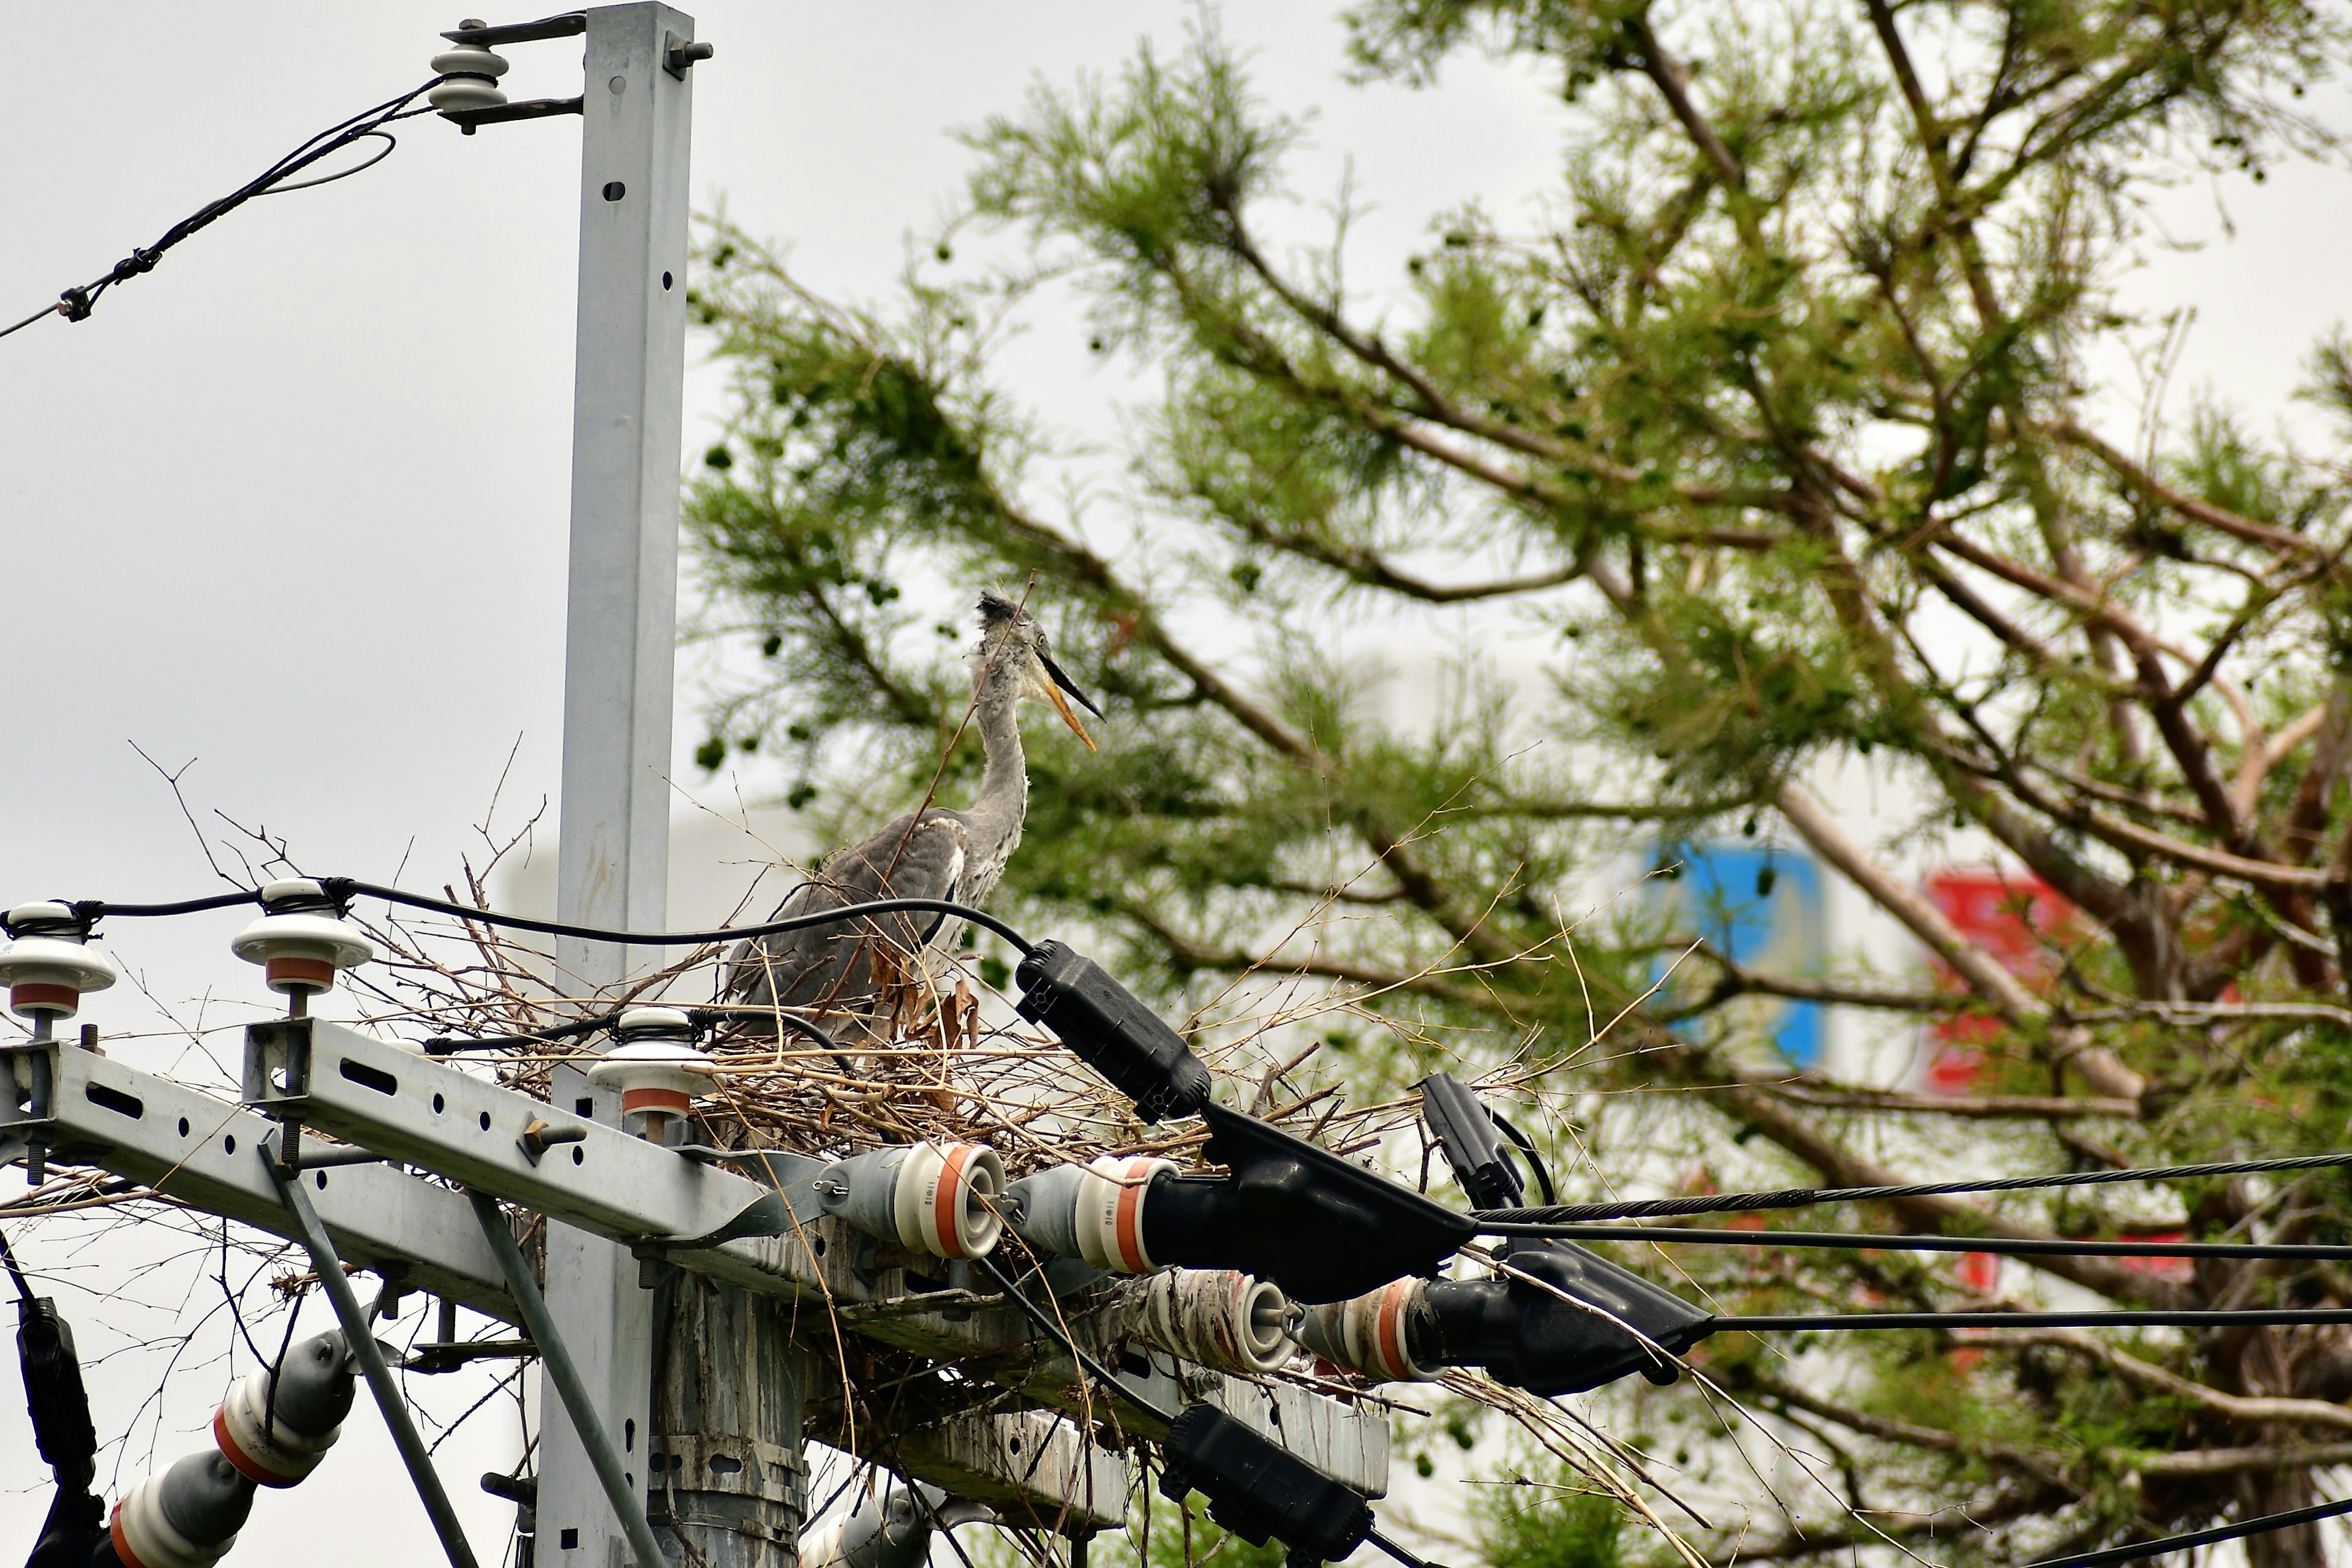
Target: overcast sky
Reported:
point(292, 508)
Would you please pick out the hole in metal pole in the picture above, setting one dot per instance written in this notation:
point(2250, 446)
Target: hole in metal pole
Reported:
point(439, 1105)
point(183, 1127)
point(584, 1108)
point(486, 1120)
point(228, 1144)
point(320, 1177)
point(614, 191)
point(666, 282)
point(579, 1157)
point(568, 1540)
point(628, 1437)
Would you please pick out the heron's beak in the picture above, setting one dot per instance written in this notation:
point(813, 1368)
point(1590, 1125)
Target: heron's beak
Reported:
point(1062, 683)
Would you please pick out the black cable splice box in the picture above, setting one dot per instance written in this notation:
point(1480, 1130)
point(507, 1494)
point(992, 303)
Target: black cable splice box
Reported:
point(1106, 1027)
point(1258, 1490)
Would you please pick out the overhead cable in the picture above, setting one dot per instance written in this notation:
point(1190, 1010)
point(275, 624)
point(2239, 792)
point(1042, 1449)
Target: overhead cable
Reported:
point(346, 889)
point(2145, 1551)
point(1863, 1240)
point(75, 304)
point(2153, 1317)
point(1804, 1197)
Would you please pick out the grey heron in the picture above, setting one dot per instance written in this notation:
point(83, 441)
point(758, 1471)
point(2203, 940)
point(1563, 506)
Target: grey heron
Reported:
point(933, 852)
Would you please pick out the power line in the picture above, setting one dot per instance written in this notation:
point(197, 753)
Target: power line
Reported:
point(1847, 1323)
point(75, 304)
point(2021, 1246)
point(344, 889)
point(1804, 1197)
point(2141, 1551)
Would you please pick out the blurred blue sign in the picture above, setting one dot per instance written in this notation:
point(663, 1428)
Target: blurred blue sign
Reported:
point(1762, 909)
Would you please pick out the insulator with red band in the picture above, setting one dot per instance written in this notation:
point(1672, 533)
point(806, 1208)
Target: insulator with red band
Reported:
point(1093, 1212)
point(942, 1200)
point(1373, 1334)
point(47, 967)
point(189, 1515)
point(186, 1516)
point(656, 1069)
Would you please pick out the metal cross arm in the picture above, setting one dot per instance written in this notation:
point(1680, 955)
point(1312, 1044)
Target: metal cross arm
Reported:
point(190, 1146)
point(473, 1132)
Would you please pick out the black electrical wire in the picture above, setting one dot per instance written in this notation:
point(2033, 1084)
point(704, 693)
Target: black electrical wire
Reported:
point(1528, 1148)
point(2244, 1318)
point(75, 304)
point(449, 1045)
point(8, 1256)
point(1804, 1197)
point(1061, 1336)
point(2138, 1552)
point(2021, 1246)
point(344, 889)
point(89, 912)
point(341, 886)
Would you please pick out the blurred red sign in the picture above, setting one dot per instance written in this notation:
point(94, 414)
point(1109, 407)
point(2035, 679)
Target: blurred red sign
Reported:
point(2019, 921)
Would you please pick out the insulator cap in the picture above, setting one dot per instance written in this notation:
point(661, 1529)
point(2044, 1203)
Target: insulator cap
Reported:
point(185, 1517)
point(653, 1024)
point(301, 953)
point(47, 968)
point(470, 74)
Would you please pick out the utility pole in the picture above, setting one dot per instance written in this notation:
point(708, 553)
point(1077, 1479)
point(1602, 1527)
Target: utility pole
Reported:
point(637, 103)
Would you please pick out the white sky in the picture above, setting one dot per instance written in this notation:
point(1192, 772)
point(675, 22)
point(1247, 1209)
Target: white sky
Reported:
point(293, 505)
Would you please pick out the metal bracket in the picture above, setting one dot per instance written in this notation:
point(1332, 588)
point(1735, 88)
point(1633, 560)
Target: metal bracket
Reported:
point(1037, 1467)
point(361, 1336)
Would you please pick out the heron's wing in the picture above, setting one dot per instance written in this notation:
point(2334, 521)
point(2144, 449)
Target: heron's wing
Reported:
point(831, 966)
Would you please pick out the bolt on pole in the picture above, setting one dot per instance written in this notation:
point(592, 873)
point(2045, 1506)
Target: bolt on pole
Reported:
point(613, 866)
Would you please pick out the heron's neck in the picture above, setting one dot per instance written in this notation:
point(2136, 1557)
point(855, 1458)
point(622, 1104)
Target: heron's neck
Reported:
point(1005, 789)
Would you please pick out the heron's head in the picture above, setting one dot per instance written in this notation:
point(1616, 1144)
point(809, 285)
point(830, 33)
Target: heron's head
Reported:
point(1013, 657)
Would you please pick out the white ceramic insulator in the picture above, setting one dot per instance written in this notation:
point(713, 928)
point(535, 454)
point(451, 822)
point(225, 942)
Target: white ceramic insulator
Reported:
point(460, 93)
point(275, 1456)
point(143, 1538)
point(302, 951)
point(472, 73)
point(1110, 1212)
point(49, 973)
point(945, 1202)
point(469, 59)
point(1219, 1318)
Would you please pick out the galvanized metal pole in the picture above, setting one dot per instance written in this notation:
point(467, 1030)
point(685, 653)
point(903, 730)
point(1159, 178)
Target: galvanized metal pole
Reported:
point(612, 860)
